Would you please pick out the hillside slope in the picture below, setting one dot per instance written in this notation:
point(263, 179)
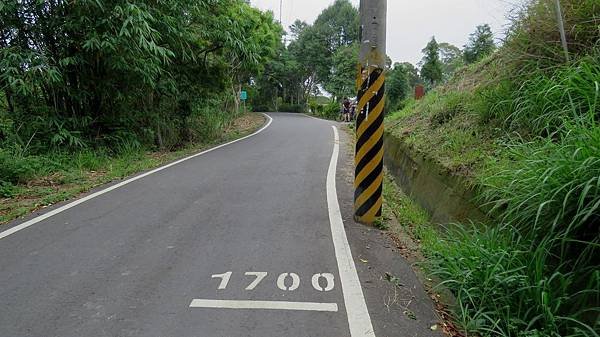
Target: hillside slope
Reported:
point(521, 126)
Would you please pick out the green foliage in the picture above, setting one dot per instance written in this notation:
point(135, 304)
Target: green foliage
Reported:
point(550, 186)
point(413, 74)
point(342, 80)
point(451, 58)
point(298, 108)
point(530, 121)
point(431, 70)
point(397, 86)
point(323, 54)
point(16, 169)
point(544, 101)
point(507, 285)
point(448, 106)
point(481, 43)
point(88, 73)
point(331, 111)
point(336, 27)
point(534, 41)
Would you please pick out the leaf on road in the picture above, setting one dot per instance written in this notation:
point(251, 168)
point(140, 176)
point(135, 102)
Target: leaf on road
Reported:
point(393, 279)
point(410, 314)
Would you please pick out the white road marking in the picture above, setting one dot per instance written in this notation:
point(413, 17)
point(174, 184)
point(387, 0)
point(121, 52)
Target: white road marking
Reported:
point(295, 281)
point(259, 277)
point(328, 277)
point(359, 320)
point(121, 184)
point(269, 305)
point(224, 279)
point(317, 118)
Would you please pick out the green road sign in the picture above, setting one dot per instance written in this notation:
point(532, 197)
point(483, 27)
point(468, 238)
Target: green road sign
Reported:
point(243, 95)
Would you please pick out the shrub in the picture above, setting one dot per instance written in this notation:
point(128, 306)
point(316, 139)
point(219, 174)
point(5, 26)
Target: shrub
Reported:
point(261, 108)
point(208, 121)
point(331, 111)
point(17, 169)
point(297, 108)
point(7, 190)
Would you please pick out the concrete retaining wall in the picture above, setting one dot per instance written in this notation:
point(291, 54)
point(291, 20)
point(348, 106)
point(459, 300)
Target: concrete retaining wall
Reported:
point(447, 198)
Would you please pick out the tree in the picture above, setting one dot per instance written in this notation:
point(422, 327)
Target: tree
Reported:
point(431, 69)
point(342, 81)
point(452, 59)
point(481, 43)
point(297, 28)
point(412, 73)
point(337, 26)
point(324, 54)
point(91, 72)
point(397, 85)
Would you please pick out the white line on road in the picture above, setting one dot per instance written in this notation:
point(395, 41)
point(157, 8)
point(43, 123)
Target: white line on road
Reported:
point(317, 118)
point(121, 184)
point(271, 305)
point(359, 320)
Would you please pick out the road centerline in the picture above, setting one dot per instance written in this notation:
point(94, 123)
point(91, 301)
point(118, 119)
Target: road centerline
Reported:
point(359, 320)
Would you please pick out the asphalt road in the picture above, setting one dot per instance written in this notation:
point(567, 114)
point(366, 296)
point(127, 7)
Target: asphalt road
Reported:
point(239, 241)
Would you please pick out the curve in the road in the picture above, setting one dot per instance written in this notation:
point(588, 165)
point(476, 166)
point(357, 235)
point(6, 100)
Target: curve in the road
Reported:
point(51, 213)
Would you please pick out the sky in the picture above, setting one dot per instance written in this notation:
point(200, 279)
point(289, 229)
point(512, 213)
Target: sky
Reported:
point(412, 23)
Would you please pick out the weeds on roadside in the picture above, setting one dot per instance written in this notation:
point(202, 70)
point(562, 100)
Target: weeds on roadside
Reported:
point(534, 271)
point(508, 285)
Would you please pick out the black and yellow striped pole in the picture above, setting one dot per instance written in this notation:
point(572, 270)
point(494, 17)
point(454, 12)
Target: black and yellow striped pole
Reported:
point(368, 178)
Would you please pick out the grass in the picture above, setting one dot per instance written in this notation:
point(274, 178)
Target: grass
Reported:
point(523, 127)
point(456, 140)
point(508, 285)
point(45, 180)
point(504, 283)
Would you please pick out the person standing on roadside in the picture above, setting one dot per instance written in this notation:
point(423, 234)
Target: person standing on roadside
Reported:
point(346, 109)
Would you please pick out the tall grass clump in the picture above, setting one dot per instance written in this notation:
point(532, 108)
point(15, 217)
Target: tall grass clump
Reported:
point(541, 103)
point(509, 285)
point(533, 42)
point(549, 193)
point(549, 186)
point(535, 270)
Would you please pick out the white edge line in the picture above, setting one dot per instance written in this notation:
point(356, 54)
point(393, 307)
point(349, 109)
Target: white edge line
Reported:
point(317, 118)
point(49, 214)
point(359, 320)
point(267, 305)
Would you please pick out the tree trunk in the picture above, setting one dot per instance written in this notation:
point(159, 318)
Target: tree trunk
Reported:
point(236, 88)
point(161, 143)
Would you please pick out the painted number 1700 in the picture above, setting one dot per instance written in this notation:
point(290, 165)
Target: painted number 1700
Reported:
point(285, 281)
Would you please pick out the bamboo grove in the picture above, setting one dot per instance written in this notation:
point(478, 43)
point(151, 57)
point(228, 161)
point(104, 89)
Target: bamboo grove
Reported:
point(88, 73)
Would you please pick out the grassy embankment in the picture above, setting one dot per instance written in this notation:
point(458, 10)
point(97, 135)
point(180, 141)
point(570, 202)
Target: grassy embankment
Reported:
point(36, 181)
point(522, 127)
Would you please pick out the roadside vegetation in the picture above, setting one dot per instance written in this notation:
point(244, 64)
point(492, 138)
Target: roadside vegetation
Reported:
point(51, 178)
point(521, 125)
point(320, 56)
point(96, 90)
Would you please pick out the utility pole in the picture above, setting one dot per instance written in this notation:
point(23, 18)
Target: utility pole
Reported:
point(368, 179)
point(280, 10)
point(561, 27)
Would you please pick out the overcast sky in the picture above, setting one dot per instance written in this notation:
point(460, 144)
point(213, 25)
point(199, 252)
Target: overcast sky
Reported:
point(411, 23)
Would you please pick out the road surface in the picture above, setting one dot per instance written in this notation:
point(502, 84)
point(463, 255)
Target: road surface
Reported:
point(251, 239)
